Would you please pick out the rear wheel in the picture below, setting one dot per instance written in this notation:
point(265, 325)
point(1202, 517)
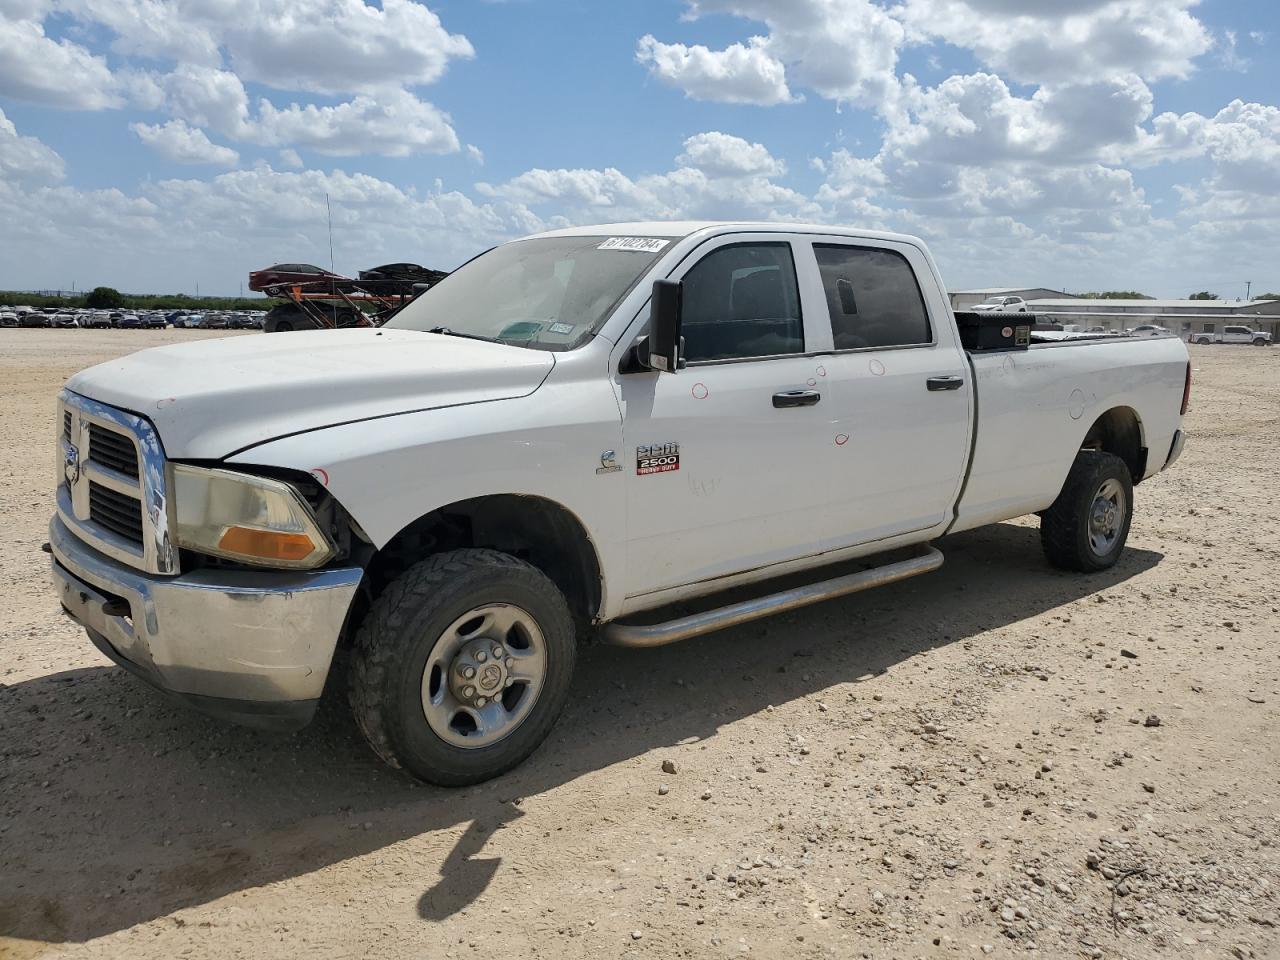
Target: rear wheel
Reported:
point(1203, 341)
point(462, 666)
point(1086, 527)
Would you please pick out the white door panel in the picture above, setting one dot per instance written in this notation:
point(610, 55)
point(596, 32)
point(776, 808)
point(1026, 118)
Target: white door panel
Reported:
point(901, 464)
point(901, 421)
point(749, 490)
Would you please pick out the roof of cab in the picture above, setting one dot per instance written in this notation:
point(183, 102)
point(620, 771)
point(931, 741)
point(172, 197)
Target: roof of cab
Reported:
point(683, 228)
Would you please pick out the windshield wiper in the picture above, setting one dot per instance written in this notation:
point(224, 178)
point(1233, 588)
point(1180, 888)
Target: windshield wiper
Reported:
point(449, 332)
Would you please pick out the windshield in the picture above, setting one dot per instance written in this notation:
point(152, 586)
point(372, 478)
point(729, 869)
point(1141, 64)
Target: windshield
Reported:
point(994, 300)
point(550, 293)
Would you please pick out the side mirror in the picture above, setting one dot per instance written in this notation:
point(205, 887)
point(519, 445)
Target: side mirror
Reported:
point(848, 303)
point(664, 342)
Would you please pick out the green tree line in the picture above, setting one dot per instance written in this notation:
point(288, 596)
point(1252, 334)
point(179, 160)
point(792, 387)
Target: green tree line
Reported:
point(110, 298)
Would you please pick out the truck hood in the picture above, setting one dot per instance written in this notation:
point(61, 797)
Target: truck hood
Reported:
point(211, 398)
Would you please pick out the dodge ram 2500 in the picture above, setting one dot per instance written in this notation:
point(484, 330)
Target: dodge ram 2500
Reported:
point(561, 439)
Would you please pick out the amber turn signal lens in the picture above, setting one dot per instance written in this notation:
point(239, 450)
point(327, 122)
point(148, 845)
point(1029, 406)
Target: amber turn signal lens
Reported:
point(267, 544)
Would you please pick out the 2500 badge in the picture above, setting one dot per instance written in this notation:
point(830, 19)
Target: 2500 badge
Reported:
point(657, 458)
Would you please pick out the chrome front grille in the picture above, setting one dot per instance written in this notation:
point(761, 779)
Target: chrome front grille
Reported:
point(111, 484)
point(118, 512)
point(113, 450)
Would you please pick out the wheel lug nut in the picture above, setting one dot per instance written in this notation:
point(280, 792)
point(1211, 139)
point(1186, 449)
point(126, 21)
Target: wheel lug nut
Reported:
point(481, 701)
point(468, 692)
point(497, 653)
point(509, 681)
point(511, 662)
point(469, 672)
point(481, 656)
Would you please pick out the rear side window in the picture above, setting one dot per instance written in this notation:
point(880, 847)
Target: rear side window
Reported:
point(742, 301)
point(872, 296)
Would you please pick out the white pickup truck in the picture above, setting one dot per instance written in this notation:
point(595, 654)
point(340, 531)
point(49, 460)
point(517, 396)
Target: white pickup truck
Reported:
point(1230, 334)
point(561, 439)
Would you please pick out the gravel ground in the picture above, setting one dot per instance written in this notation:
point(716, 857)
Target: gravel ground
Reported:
point(993, 759)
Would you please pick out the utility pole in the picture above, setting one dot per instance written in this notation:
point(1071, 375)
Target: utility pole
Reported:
point(1248, 290)
point(329, 214)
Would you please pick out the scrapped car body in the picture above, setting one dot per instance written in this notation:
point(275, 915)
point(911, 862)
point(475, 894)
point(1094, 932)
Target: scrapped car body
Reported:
point(283, 274)
point(563, 438)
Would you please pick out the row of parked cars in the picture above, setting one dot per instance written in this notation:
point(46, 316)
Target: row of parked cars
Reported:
point(24, 316)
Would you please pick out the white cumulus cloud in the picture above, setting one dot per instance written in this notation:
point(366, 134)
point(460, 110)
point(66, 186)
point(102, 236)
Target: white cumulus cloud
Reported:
point(737, 74)
point(183, 144)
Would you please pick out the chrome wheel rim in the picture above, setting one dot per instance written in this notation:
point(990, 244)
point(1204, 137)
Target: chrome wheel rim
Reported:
point(1106, 517)
point(484, 675)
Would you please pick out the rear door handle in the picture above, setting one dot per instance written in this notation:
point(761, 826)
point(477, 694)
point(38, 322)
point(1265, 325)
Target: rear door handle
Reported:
point(796, 398)
point(944, 383)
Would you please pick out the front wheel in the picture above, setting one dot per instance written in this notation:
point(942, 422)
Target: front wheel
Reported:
point(1086, 527)
point(462, 666)
point(1261, 342)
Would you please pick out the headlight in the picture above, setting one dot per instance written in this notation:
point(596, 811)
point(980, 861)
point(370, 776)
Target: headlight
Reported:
point(247, 518)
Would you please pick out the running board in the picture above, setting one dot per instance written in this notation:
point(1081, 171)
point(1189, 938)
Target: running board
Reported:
point(659, 634)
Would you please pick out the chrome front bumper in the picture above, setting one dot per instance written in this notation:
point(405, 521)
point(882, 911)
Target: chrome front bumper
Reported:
point(252, 647)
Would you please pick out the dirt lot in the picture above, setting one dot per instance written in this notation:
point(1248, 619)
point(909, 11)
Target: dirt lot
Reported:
point(992, 759)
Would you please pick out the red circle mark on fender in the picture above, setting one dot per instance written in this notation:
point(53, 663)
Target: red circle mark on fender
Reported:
point(876, 368)
point(841, 439)
point(821, 371)
point(321, 474)
point(1006, 332)
point(700, 391)
point(812, 382)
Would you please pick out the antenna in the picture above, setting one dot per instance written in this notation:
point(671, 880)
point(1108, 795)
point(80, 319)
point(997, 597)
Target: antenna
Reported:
point(329, 212)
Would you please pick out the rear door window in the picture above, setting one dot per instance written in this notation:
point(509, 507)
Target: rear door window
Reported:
point(742, 301)
point(872, 297)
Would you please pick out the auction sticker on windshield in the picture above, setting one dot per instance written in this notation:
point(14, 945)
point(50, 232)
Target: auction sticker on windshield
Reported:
point(637, 244)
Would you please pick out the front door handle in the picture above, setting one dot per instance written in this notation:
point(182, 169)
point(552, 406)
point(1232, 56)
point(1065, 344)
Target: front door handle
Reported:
point(944, 383)
point(796, 398)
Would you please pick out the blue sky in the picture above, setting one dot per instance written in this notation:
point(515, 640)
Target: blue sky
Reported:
point(1078, 143)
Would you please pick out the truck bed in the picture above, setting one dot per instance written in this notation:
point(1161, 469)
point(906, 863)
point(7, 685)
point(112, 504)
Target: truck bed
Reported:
point(1034, 408)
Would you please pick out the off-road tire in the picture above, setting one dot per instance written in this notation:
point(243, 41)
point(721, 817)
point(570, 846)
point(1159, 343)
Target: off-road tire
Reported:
point(397, 636)
point(1064, 527)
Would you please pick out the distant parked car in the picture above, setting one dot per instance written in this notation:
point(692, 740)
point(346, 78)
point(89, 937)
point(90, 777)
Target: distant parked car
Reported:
point(33, 318)
point(154, 321)
point(399, 278)
point(286, 273)
point(1258, 338)
point(129, 321)
point(1149, 330)
point(996, 305)
point(8, 319)
point(213, 321)
point(63, 320)
point(96, 320)
point(284, 317)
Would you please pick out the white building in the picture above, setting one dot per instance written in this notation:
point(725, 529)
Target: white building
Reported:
point(1183, 317)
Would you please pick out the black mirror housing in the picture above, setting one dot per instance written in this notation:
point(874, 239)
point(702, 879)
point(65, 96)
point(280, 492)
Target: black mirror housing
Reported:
point(663, 343)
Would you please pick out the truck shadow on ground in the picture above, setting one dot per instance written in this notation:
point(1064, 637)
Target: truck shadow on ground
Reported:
point(118, 808)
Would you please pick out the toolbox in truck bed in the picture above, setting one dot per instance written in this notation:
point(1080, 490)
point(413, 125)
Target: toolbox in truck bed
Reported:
point(995, 331)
